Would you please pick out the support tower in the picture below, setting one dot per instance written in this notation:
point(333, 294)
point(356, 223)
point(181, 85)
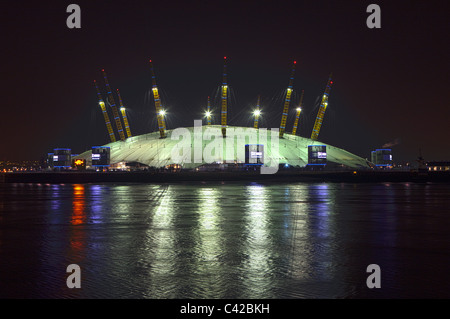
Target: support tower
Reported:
point(208, 112)
point(124, 115)
point(257, 113)
point(297, 115)
point(322, 109)
point(112, 103)
point(159, 110)
point(105, 114)
point(287, 101)
point(224, 98)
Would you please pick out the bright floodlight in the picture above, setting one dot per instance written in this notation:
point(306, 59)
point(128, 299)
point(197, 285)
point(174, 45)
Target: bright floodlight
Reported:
point(257, 113)
point(122, 109)
point(162, 112)
point(299, 109)
point(208, 113)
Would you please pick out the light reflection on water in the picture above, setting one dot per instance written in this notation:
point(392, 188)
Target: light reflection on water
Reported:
point(227, 240)
point(259, 250)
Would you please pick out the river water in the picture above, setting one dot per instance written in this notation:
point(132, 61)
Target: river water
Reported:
point(225, 240)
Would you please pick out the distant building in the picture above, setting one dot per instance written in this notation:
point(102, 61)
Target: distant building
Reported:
point(101, 156)
point(62, 158)
point(317, 154)
point(49, 161)
point(438, 166)
point(382, 157)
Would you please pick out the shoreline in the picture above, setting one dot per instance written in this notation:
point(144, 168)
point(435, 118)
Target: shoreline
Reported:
point(80, 177)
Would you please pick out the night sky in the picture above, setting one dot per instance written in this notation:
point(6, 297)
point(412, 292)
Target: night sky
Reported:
point(390, 84)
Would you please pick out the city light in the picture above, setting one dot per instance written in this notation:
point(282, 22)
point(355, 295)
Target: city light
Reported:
point(257, 113)
point(162, 113)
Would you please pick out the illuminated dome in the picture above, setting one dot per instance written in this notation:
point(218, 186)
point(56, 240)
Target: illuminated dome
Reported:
point(150, 150)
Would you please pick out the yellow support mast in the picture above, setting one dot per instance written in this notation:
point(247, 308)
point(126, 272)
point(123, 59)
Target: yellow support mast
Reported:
point(322, 109)
point(112, 103)
point(297, 116)
point(224, 98)
point(124, 115)
point(159, 110)
point(287, 101)
point(208, 112)
point(105, 114)
point(257, 113)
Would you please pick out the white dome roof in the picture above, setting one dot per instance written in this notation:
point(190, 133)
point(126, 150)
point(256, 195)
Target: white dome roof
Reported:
point(150, 150)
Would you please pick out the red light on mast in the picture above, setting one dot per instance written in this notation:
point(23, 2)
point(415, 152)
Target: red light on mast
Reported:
point(150, 60)
point(224, 57)
point(295, 62)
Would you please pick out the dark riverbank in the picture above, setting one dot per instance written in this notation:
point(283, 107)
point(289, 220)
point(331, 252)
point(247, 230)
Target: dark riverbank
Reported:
point(171, 177)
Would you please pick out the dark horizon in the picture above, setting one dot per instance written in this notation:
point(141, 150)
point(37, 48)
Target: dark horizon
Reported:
point(389, 83)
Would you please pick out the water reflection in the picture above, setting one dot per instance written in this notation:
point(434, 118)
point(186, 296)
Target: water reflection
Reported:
point(312, 244)
point(321, 235)
point(296, 232)
point(123, 202)
point(230, 240)
point(209, 222)
point(78, 218)
point(1, 220)
point(209, 246)
point(257, 267)
point(312, 250)
point(160, 257)
point(384, 212)
point(320, 196)
point(55, 195)
point(96, 200)
point(163, 215)
point(78, 211)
